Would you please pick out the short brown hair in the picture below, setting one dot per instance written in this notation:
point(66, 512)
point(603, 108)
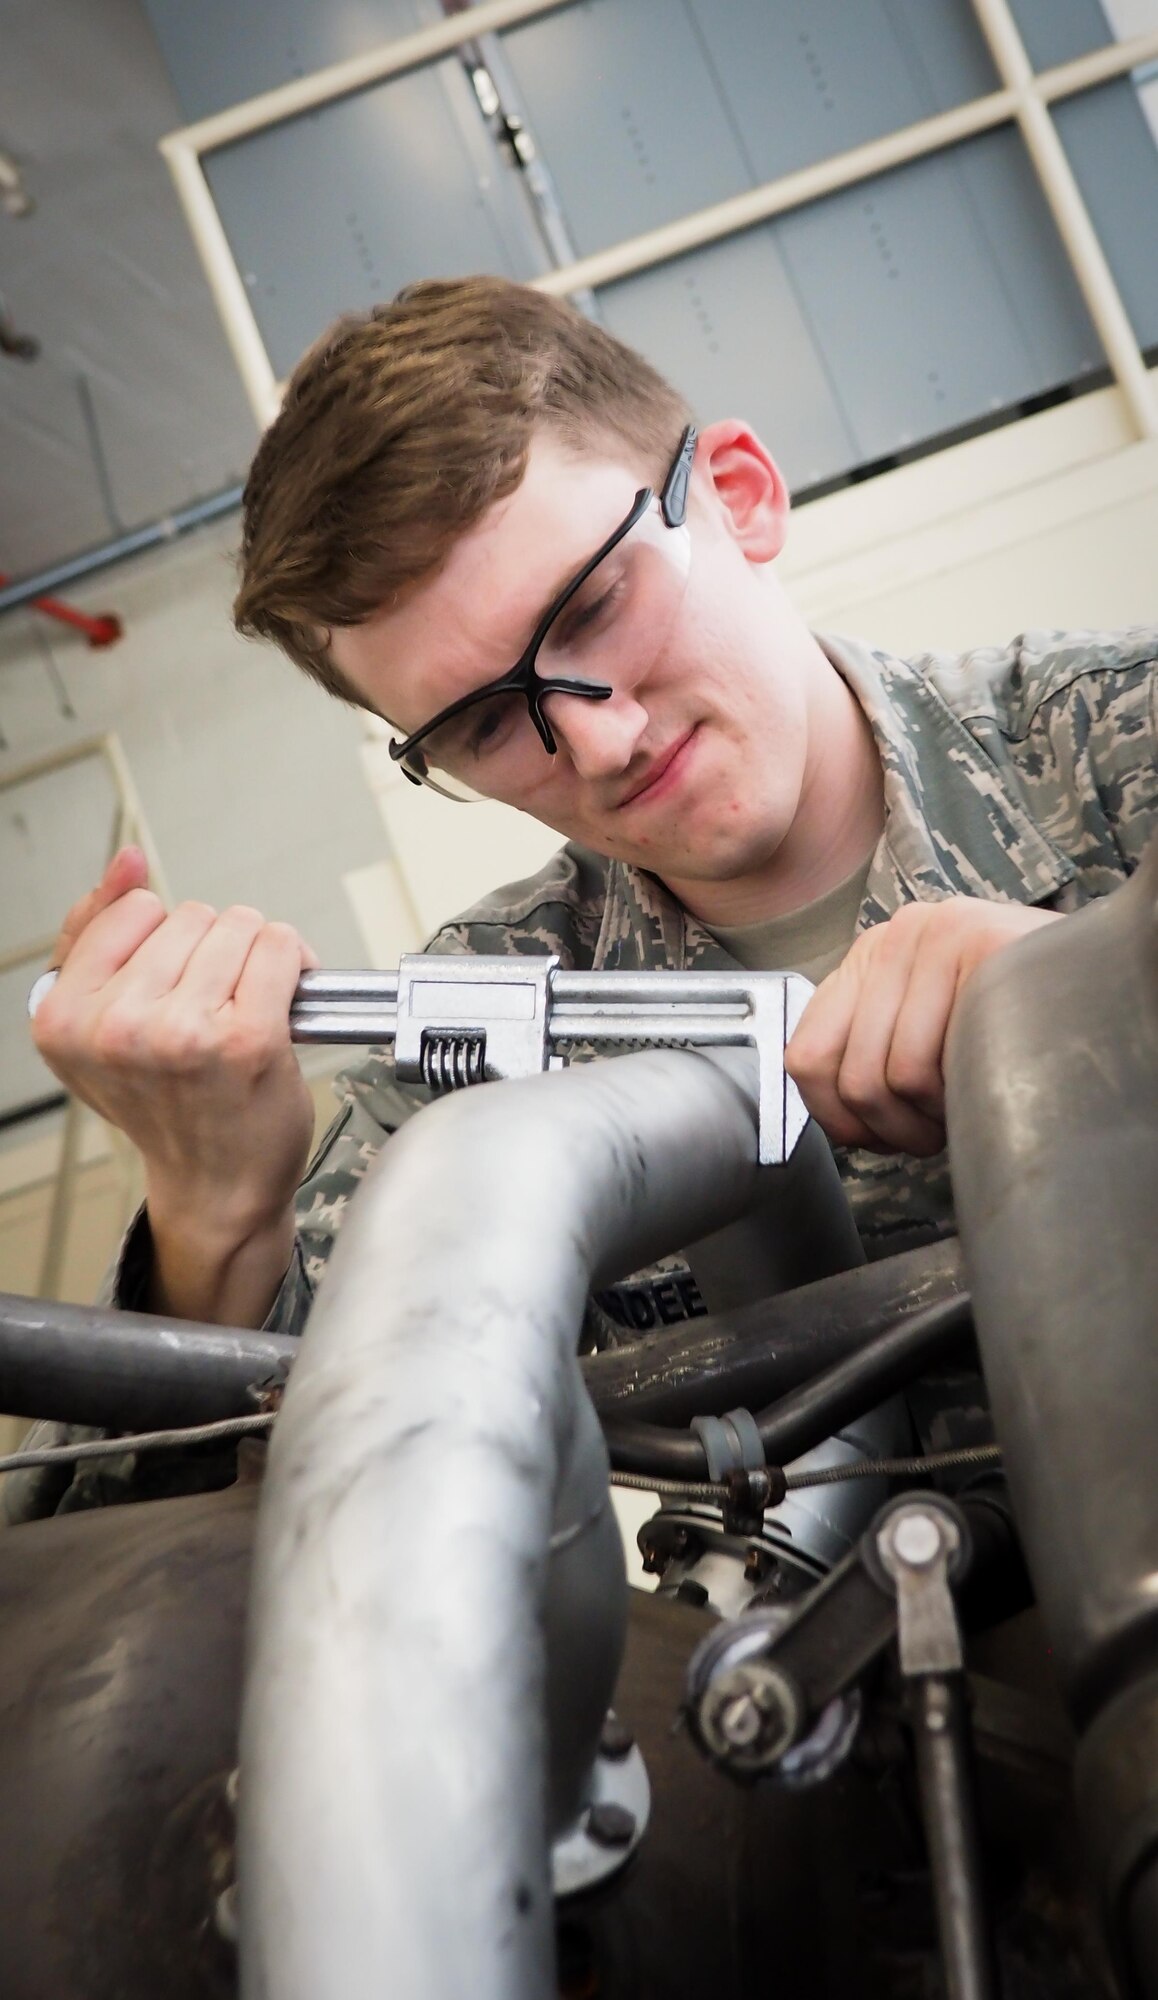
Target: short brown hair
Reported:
point(401, 426)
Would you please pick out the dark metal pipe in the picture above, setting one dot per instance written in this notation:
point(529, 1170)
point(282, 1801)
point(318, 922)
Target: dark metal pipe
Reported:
point(890, 1361)
point(817, 1409)
point(128, 1371)
point(753, 1354)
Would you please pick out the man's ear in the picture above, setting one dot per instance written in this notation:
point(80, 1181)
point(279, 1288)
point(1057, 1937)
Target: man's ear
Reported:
point(737, 473)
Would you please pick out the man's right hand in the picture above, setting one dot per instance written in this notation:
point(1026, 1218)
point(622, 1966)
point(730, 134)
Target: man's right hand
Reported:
point(175, 1027)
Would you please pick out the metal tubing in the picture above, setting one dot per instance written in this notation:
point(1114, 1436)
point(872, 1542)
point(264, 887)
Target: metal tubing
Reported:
point(819, 1409)
point(816, 1410)
point(434, 1446)
point(798, 1228)
point(128, 1371)
point(941, 1739)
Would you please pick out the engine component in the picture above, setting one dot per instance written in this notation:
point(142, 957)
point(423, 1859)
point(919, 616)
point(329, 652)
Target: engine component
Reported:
point(435, 1450)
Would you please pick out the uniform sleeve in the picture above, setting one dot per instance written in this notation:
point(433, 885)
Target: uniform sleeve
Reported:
point(1090, 764)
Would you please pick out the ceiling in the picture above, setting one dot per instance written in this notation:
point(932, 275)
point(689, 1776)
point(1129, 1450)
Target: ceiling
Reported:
point(132, 405)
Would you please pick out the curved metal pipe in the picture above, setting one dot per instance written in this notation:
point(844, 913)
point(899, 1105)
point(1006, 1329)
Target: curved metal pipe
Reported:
point(434, 1444)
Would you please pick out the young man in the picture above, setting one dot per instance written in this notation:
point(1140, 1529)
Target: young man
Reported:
point(484, 519)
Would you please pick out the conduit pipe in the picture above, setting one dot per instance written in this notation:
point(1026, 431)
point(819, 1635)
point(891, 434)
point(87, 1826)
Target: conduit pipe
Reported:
point(27, 589)
point(435, 1530)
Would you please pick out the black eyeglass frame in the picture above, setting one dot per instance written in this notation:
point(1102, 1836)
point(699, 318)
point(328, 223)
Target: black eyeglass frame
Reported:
point(524, 678)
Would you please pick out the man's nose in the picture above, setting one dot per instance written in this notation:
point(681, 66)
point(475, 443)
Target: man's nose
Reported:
point(600, 737)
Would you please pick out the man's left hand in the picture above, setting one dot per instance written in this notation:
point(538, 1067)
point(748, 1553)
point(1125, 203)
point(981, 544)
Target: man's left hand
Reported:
point(867, 1053)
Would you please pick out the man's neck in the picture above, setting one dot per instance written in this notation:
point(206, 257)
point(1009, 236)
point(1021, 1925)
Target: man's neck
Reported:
point(838, 821)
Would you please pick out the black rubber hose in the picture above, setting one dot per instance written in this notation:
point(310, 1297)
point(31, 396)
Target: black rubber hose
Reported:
point(816, 1410)
point(752, 1355)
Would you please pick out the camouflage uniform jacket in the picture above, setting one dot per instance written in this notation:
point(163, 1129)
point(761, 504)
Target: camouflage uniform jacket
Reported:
point(1027, 773)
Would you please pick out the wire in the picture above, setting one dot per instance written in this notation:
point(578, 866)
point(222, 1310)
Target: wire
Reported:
point(678, 1489)
point(827, 1475)
point(115, 1447)
point(897, 1468)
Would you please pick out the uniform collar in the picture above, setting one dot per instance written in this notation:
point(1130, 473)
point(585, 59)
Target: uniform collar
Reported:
point(954, 825)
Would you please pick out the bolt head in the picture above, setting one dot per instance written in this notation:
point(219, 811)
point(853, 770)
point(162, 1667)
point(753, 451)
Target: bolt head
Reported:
point(741, 1721)
point(916, 1539)
point(611, 1825)
point(749, 1715)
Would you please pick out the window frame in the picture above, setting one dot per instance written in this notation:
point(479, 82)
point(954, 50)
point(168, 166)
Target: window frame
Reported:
point(912, 506)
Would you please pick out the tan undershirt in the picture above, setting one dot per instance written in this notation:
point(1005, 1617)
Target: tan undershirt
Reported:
point(811, 941)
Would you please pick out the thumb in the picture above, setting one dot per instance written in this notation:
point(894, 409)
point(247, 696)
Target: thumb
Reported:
point(127, 870)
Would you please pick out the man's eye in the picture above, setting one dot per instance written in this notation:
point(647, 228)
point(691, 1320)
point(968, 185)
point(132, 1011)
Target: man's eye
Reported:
point(586, 615)
point(489, 728)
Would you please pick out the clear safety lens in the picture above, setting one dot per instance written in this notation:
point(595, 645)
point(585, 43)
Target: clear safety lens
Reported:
point(610, 630)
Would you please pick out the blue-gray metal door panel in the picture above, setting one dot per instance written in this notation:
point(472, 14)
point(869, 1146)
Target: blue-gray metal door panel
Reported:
point(1114, 155)
point(908, 306)
point(724, 324)
point(337, 209)
point(625, 115)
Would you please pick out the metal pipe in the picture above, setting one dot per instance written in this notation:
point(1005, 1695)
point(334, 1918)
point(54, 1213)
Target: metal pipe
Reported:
point(102, 630)
point(799, 1227)
point(1056, 1184)
point(129, 1371)
point(434, 1458)
point(151, 536)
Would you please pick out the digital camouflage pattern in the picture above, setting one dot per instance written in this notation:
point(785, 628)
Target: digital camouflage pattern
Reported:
point(1026, 773)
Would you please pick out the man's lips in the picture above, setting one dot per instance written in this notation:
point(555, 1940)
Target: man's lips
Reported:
point(657, 771)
